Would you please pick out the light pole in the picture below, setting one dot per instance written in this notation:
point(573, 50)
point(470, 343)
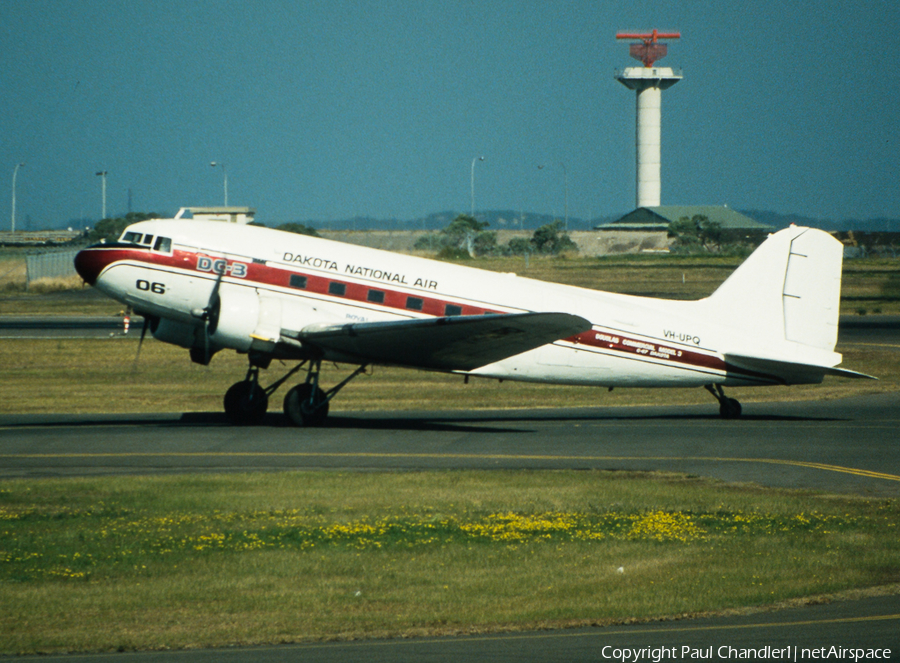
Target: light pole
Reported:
point(472, 184)
point(15, 172)
point(566, 192)
point(225, 175)
point(102, 175)
point(566, 181)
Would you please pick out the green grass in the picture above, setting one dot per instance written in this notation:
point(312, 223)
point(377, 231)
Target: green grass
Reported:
point(80, 376)
point(189, 561)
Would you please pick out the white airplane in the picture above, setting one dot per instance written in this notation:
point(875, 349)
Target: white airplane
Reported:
point(209, 285)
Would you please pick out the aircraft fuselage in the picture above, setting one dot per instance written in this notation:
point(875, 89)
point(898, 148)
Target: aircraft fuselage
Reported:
point(272, 285)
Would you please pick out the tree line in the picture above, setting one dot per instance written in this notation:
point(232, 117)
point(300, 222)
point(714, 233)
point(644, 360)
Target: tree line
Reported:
point(466, 237)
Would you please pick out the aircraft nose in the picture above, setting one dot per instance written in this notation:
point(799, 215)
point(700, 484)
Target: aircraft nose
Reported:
point(89, 263)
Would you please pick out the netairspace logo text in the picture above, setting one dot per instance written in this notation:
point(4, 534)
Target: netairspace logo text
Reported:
point(658, 654)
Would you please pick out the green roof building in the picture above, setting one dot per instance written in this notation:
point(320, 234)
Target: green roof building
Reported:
point(658, 218)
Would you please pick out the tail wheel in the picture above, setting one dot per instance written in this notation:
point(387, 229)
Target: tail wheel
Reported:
point(729, 408)
point(246, 403)
point(306, 405)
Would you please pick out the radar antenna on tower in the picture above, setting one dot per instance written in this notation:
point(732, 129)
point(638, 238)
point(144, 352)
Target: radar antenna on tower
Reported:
point(649, 51)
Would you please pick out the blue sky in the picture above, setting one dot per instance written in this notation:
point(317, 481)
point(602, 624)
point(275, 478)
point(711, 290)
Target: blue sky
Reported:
point(332, 109)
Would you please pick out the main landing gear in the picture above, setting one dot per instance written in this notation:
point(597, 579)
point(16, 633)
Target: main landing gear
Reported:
point(729, 408)
point(246, 402)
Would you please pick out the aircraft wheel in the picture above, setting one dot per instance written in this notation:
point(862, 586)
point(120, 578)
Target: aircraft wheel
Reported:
point(246, 403)
point(730, 408)
point(301, 411)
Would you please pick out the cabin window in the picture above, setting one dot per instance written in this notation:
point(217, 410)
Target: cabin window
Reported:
point(335, 288)
point(414, 303)
point(148, 240)
point(375, 296)
point(132, 237)
point(298, 281)
point(452, 309)
point(163, 244)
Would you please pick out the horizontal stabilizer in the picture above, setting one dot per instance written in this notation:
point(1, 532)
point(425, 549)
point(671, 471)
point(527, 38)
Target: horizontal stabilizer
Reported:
point(846, 373)
point(459, 343)
point(773, 371)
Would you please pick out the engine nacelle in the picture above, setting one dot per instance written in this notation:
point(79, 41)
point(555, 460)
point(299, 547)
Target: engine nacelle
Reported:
point(238, 317)
point(176, 333)
point(235, 317)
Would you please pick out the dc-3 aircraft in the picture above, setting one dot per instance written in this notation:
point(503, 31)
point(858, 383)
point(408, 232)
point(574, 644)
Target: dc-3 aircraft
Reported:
point(209, 285)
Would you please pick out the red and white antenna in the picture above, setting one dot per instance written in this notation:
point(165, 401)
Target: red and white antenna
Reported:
point(649, 50)
point(648, 82)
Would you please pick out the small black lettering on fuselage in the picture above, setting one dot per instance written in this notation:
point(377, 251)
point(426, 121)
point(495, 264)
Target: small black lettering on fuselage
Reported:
point(378, 274)
point(146, 286)
point(389, 277)
point(426, 284)
point(311, 261)
point(681, 337)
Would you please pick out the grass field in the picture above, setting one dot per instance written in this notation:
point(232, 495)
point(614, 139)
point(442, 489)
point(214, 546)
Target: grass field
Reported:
point(201, 561)
point(77, 376)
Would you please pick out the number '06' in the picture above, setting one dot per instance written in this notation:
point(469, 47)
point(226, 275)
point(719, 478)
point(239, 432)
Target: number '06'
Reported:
point(157, 288)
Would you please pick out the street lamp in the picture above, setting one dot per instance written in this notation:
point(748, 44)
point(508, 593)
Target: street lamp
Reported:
point(472, 185)
point(566, 178)
point(102, 175)
point(566, 191)
point(15, 172)
point(225, 174)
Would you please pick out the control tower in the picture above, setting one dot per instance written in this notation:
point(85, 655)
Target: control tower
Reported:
point(648, 82)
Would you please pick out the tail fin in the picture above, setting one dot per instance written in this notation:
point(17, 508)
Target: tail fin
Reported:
point(787, 290)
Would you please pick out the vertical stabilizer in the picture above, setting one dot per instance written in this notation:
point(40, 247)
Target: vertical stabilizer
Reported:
point(788, 290)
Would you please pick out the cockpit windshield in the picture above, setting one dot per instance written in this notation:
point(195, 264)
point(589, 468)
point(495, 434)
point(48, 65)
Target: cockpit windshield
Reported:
point(163, 244)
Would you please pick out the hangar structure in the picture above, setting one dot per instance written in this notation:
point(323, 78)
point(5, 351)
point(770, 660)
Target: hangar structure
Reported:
point(655, 221)
point(660, 216)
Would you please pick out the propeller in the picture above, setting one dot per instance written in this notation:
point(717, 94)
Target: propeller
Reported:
point(137, 356)
point(210, 316)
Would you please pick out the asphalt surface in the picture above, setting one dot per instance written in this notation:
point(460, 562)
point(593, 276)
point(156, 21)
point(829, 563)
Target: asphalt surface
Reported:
point(845, 446)
point(67, 326)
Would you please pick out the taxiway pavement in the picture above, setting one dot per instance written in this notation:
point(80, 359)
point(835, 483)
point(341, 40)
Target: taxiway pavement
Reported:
point(845, 445)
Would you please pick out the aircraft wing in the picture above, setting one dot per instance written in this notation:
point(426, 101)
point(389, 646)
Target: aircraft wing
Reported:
point(785, 372)
point(459, 343)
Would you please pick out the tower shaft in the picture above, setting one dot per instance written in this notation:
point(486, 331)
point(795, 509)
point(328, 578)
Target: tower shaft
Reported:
point(648, 84)
point(648, 130)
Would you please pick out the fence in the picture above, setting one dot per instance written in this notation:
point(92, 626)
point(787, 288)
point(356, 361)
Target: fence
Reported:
point(53, 264)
